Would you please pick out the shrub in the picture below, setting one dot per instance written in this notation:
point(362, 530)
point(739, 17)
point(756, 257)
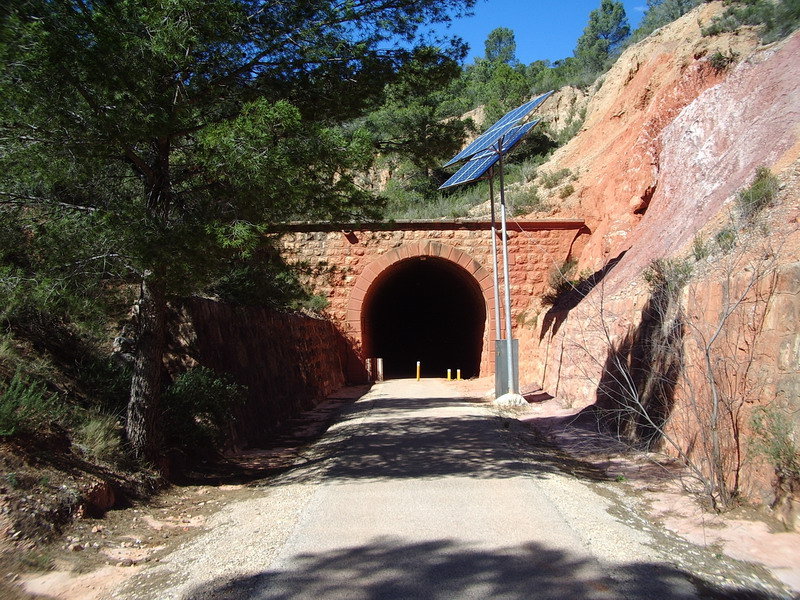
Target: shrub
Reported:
point(560, 281)
point(25, 406)
point(726, 239)
point(101, 437)
point(529, 171)
point(199, 410)
point(775, 20)
point(528, 201)
point(699, 248)
point(720, 61)
point(573, 126)
point(668, 275)
point(551, 180)
point(316, 303)
point(774, 438)
point(751, 201)
point(566, 191)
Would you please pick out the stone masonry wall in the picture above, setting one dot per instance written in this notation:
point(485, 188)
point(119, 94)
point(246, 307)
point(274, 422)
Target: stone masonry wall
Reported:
point(289, 362)
point(343, 264)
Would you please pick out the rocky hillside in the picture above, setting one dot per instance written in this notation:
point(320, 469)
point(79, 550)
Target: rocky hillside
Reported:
point(673, 135)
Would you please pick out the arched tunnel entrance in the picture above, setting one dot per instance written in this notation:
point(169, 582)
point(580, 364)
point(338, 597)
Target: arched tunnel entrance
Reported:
point(425, 309)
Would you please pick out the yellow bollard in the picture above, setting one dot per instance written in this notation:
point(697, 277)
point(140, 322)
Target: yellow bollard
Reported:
point(417, 370)
point(458, 374)
point(448, 375)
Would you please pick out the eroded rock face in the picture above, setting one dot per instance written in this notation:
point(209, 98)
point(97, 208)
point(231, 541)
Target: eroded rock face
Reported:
point(618, 154)
point(668, 141)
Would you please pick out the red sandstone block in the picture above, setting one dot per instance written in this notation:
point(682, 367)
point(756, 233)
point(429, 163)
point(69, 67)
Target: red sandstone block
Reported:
point(447, 251)
point(463, 259)
point(436, 248)
point(358, 294)
point(485, 279)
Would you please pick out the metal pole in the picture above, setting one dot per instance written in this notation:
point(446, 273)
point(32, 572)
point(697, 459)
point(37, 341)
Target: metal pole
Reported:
point(498, 335)
point(507, 281)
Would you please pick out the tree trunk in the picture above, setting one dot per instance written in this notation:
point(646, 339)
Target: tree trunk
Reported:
point(144, 433)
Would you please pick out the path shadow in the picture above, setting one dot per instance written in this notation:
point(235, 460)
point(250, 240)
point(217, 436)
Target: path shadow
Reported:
point(389, 569)
point(388, 441)
point(279, 454)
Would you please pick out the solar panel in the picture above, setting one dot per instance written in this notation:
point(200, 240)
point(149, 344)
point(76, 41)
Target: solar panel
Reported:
point(479, 164)
point(473, 170)
point(484, 141)
point(522, 111)
point(500, 128)
point(514, 136)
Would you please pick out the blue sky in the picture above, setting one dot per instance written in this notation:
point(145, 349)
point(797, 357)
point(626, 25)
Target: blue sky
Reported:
point(543, 29)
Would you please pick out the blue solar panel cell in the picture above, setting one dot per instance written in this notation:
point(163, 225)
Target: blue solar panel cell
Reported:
point(484, 141)
point(521, 112)
point(497, 130)
point(473, 170)
point(481, 162)
point(513, 137)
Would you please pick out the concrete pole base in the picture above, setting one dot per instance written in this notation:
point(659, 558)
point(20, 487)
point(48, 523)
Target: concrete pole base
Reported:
point(510, 400)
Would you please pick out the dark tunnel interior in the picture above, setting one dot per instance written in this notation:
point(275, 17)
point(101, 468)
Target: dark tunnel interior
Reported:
point(425, 309)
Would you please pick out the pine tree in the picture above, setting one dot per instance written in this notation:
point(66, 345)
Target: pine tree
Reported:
point(603, 37)
point(178, 130)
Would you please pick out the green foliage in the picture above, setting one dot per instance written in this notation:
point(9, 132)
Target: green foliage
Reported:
point(668, 276)
point(199, 409)
point(316, 303)
point(562, 281)
point(775, 20)
point(763, 191)
point(169, 136)
point(105, 381)
point(603, 37)
point(501, 46)
point(100, 436)
point(528, 170)
point(660, 13)
point(721, 61)
point(566, 191)
point(574, 125)
point(774, 437)
point(528, 200)
point(25, 406)
point(552, 179)
point(726, 239)
point(567, 72)
point(453, 206)
point(261, 279)
point(410, 124)
point(700, 248)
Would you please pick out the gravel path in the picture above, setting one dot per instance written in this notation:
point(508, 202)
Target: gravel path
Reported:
point(418, 493)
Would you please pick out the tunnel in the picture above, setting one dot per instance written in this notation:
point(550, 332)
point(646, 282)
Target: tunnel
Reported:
point(424, 309)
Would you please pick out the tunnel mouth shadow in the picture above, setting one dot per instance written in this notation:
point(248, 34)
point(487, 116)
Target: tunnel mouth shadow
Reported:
point(429, 310)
